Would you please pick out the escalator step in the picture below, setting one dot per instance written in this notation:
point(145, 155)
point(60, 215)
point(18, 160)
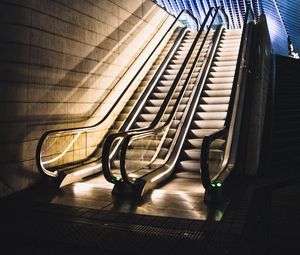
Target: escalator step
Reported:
point(210, 115)
point(220, 80)
point(158, 95)
point(219, 86)
point(214, 100)
point(165, 83)
point(213, 108)
point(200, 133)
point(225, 58)
point(228, 48)
point(224, 63)
point(193, 154)
point(217, 93)
point(151, 109)
point(224, 53)
point(189, 165)
point(196, 143)
point(208, 124)
point(220, 74)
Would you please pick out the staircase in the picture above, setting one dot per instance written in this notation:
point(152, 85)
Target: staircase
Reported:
point(156, 99)
point(160, 145)
point(92, 160)
point(213, 104)
point(120, 120)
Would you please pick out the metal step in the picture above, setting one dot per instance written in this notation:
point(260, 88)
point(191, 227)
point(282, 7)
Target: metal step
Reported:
point(210, 115)
point(189, 165)
point(215, 124)
point(214, 100)
point(217, 93)
point(213, 108)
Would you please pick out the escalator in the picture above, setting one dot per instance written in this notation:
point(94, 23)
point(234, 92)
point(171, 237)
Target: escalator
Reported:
point(137, 113)
point(195, 136)
point(117, 126)
point(164, 88)
point(212, 108)
point(183, 69)
point(156, 99)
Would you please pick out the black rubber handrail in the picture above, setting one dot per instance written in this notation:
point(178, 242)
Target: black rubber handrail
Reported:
point(92, 127)
point(207, 140)
point(106, 153)
point(137, 106)
point(167, 124)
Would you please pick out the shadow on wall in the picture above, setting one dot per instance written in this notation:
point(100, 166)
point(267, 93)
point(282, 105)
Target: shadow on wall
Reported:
point(18, 144)
point(88, 74)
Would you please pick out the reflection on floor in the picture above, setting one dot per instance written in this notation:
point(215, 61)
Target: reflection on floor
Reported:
point(178, 198)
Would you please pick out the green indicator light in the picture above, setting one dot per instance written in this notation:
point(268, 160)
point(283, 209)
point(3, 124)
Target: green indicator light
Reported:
point(219, 184)
point(213, 185)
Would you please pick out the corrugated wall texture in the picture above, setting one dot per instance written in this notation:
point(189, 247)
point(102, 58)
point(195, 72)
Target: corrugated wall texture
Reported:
point(290, 13)
point(276, 27)
point(283, 16)
point(234, 8)
point(59, 58)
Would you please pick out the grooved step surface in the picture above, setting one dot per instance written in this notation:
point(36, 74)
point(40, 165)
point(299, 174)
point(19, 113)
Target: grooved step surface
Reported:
point(211, 111)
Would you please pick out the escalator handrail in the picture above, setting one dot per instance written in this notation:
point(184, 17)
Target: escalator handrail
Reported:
point(104, 118)
point(106, 154)
point(127, 140)
point(165, 126)
point(133, 114)
point(207, 140)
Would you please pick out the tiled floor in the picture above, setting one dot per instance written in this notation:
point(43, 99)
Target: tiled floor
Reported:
point(87, 220)
point(180, 199)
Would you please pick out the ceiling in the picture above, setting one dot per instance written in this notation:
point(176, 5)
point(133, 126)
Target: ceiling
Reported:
point(282, 16)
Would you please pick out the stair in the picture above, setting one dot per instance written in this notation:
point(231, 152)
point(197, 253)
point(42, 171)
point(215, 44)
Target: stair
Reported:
point(153, 103)
point(144, 151)
point(123, 115)
point(213, 104)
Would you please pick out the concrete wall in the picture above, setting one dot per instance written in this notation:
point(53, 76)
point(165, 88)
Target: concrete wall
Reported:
point(59, 60)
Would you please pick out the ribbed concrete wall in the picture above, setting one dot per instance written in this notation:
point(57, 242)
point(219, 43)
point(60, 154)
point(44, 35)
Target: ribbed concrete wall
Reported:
point(59, 59)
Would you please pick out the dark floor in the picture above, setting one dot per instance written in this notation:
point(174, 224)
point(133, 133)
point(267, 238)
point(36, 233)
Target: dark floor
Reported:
point(262, 217)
